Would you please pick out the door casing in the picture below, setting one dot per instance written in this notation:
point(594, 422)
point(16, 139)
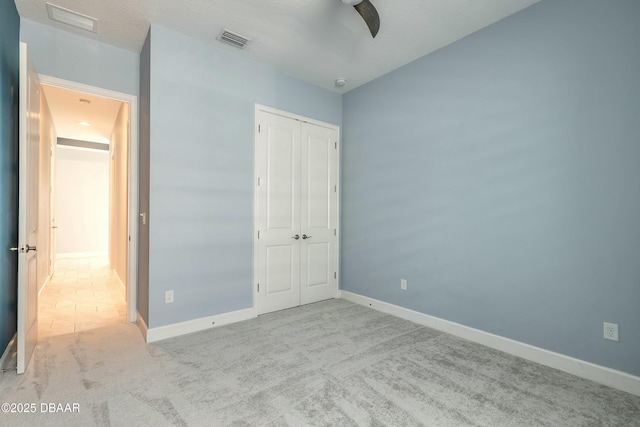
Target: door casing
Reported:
point(271, 110)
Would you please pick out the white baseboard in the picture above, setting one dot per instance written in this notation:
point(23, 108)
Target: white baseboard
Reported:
point(124, 288)
point(7, 353)
point(182, 328)
point(44, 285)
point(580, 368)
point(80, 255)
point(142, 325)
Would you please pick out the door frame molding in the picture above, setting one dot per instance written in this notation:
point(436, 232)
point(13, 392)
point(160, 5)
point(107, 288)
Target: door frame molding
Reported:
point(132, 100)
point(271, 110)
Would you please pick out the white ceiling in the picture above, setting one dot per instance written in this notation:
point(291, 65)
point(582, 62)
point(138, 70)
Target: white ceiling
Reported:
point(67, 112)
point(314, 40)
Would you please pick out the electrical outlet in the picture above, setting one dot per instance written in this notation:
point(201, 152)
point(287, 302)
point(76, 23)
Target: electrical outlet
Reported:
point(168, 297)
point(403, 284)
point(610, 331)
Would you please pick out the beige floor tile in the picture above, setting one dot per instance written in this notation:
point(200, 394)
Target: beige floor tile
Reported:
point(83, 326)
point(82, 294)
point(107, 307)
point(62, 323)
point(89, 309)
point(62, 330)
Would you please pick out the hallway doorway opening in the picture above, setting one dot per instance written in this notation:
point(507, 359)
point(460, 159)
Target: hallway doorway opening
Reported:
point(92, 275)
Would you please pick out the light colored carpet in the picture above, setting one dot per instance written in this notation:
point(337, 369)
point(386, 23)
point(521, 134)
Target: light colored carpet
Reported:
point(327, 364)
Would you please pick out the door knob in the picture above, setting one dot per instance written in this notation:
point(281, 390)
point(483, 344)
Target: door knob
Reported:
point(305, 237)
point(24, 249)
point(297, 236)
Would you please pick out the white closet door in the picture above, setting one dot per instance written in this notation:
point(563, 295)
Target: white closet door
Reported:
point(318, 200)
point(296, 211)
point(278, 168)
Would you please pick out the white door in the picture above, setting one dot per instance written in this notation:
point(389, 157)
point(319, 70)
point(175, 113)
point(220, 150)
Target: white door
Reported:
point(278, 170)
point(28, 210)
point(318, 222)
point(296, 212)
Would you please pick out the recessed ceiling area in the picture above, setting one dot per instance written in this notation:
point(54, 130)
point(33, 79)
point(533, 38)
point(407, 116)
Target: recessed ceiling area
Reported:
point(314, 40)
point(69, 109)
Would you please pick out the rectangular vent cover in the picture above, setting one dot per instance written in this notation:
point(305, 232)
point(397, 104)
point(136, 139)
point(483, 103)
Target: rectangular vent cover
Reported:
point(233, 38)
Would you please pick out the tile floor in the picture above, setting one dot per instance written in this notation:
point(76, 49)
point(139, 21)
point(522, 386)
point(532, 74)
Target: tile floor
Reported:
point(82, 294)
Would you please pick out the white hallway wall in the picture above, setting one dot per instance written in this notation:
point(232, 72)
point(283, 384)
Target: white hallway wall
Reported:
point(82, 200)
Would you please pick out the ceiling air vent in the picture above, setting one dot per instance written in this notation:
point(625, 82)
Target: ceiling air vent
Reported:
point(232, 38)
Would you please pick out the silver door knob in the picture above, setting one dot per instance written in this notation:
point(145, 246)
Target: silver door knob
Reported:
point(30, 248)
point(297, 236)
point(13, 249)
point(305, 237)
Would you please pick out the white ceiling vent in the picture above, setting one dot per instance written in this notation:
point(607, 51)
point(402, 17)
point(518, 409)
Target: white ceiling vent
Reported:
point(70, 17)
point(233, 38)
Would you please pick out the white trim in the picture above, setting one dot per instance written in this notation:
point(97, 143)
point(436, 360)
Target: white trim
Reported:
point(132, 100)
point(580, 368)
point(338, 208)
point(142, 325)
point(8, 352)
point(195, 325)
point(117, 276)
point(44, 285)
point(254, 285)
point(287, 114)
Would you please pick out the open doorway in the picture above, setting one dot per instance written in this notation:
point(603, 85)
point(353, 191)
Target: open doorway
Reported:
point(93, 220)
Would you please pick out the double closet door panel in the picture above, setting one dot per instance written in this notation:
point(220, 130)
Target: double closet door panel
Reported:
point(297, 212)
point(318, 219)
point(278, 169)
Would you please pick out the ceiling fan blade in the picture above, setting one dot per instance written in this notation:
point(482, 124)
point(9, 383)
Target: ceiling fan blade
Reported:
point(370, 16)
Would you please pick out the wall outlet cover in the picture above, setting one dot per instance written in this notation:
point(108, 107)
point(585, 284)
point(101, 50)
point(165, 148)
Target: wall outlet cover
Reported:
point(168, 297)
point(610, 331)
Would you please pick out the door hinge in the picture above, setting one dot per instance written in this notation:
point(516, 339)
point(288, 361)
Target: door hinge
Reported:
point(258, 287)
point(335, 188)
point(336, 145)
point(335, 275)
point(258, 181)
point(335, 231)
point(258, 128)
point(258, 234)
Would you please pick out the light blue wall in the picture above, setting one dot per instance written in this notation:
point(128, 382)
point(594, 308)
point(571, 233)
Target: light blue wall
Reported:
point(201, 197)
point(9, 76)
point(501, 176)
point(64, 55)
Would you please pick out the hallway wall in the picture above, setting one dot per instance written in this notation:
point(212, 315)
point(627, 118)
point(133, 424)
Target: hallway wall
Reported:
point(119, 205)
point(82, 201)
